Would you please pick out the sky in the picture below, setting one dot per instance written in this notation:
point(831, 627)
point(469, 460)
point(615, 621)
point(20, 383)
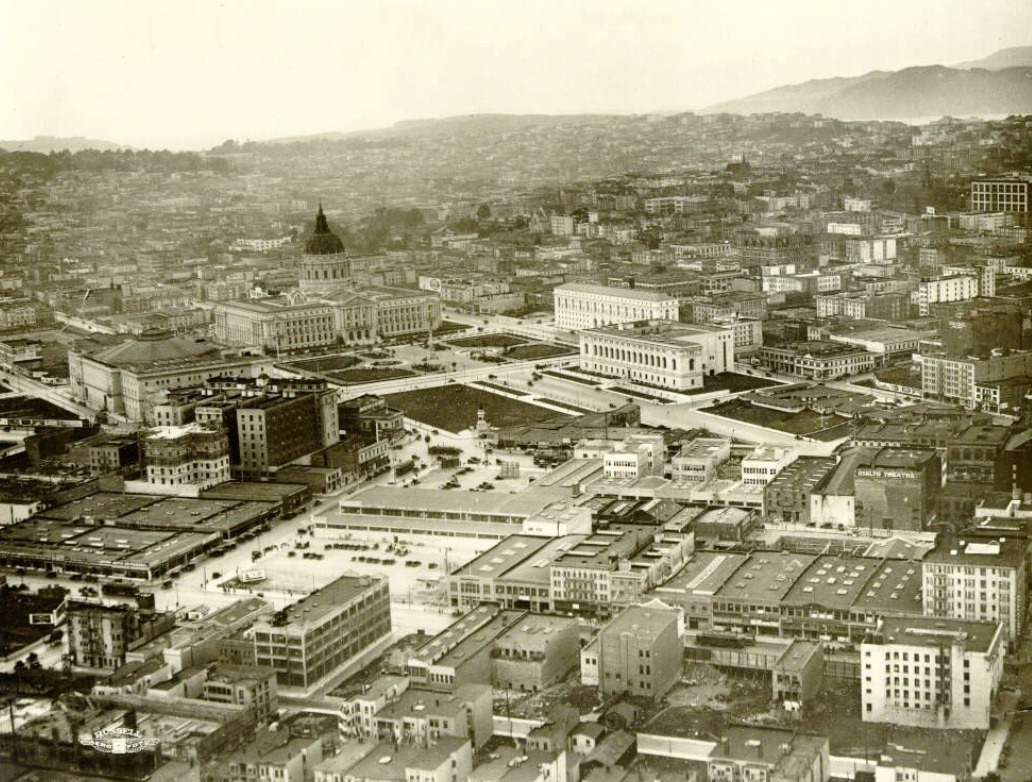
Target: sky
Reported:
point(189, 74)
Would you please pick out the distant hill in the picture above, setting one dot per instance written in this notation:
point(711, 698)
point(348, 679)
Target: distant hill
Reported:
point(46, 144)
point(463, 123)
point(929, 91)
point(1014, 57)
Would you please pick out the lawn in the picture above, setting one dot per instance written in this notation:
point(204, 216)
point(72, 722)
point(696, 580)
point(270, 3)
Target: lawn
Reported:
point(640, 394)
point(325, 364)
point(533, 352)
point(573, 378)
point(498, 387)
point(734, 382)
point(488, 341)
point(352, 376)
point(803, 423)
point(454, 407)
point(449, 327)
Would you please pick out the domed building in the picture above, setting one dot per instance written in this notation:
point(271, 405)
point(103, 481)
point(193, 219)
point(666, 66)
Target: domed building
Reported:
point(325, 265)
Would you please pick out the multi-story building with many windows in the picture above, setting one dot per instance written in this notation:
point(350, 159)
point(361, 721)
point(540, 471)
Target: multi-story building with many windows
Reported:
point(1000, 195)
point(192, 456)
point(933, 673)
point(315, 636)
point(639, 652)
point(586, 306)
point(818, 360)
point(661, 353)
point(971, 381)
point(978, 579)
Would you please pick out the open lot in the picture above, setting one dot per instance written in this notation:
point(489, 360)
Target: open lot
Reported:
point(454, 407)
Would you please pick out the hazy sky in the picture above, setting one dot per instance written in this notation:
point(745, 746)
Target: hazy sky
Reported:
point(191, 73)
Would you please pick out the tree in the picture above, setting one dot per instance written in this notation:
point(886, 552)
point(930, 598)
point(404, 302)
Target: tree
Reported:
point(483, 212)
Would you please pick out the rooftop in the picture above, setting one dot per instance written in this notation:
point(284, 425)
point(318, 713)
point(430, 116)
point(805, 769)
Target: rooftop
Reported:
point(704, 574)
point(987, 552)
point(626, 293)
point(933, 632)
point(330, 598)
point(894, 588)
point(767, 576)
point(833, 582)
point(642, 622)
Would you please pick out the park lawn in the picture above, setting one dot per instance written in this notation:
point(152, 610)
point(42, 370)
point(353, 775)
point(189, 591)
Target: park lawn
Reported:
point(326, 363)
point(351, 376)
point(488, 341)
point(454, 407)
point(533, 352)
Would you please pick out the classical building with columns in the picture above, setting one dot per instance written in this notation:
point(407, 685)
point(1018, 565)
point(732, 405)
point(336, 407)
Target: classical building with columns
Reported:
point(586, 306)
point(659, 352)
point(327, 308)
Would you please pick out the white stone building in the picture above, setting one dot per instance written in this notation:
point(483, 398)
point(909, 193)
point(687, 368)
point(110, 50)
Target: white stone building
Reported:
point(585, 306)
point(933, 673)
point(660, 353)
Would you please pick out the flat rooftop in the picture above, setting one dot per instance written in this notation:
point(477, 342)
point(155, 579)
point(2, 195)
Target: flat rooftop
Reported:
point(894, 588)
point(804, 473)
point(704, 574)
point(767, 576)
point(499, 559)
point(599, 549)
point(459, 631)
point(390, 762)
point(626, 293)
point(390, 498)
point(978, 550)
point(642, 621)
point(832, 582)
point(932, 632)
point(329, 598)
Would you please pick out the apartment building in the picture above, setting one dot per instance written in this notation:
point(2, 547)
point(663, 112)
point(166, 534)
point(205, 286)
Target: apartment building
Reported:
point(941, 290)
point(273, 430)
point(971, 381)
point(980, 579)
point(187, 458)
point(587, 306)
point(932, 673)
point(315, 636)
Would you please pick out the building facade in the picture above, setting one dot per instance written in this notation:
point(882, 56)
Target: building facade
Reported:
point(587, 306)
point(932, 673)
point(661, 353)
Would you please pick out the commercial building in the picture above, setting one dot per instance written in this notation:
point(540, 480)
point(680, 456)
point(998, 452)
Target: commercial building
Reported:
point(1010, 194)
point(977, 579)
point(535, 653)
point(697, 461)
point(818, 360)
point(897, 489)
point(761, 465)
point(587, 306)
point(243, 685)
point(786, 499)
point(797, 674)
point(662, 353)
point(461, 653)
point(635, 457)
point(769, 755)
point(447, 759)
point(933, 673)
point(597, 573)
point(638, 653)
point(315, 636)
